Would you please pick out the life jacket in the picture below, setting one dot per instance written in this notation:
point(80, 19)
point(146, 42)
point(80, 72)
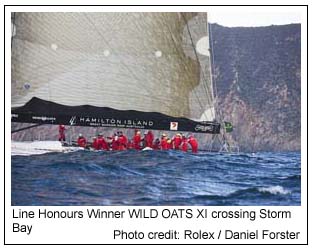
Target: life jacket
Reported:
point(82, 142)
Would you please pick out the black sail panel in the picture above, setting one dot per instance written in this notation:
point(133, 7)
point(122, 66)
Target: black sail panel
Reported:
point(46, 112)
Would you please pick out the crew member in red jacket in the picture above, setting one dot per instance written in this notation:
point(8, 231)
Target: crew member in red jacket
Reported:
point(102, 145)
point(194, 144)
point(122, 141)
point(184, 144)
point(170, 144)
point(95, 143)
point(62, 132)
point(164, 142)
point(177, 140)
point(130, 145)
point(156, 145)
point(137, 140)
point(148, 139)
point(115, 143)
point(81, 141)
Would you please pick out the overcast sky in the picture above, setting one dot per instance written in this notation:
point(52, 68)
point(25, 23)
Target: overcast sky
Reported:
point(241, 18)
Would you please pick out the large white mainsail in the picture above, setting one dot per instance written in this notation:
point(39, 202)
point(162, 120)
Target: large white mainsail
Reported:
point(140, 70)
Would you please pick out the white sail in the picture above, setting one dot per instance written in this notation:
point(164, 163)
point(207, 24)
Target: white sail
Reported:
point(122, 70)
point(126, 61)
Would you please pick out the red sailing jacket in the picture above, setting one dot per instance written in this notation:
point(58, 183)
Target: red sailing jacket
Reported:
point(122, 140)
point(194, 144)
point(82, 142)
point(115, 143)
point(137, 141)
point(149, 138)
point(184, 145)
point(61, 133)
point(95, 144)
point(102, 145)
point(164, 144)
point(177, 142)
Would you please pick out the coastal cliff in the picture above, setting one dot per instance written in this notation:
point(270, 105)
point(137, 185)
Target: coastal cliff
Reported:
point(257, 73)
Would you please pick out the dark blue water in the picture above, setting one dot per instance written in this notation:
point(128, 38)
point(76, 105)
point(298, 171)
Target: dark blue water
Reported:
point(156, 178)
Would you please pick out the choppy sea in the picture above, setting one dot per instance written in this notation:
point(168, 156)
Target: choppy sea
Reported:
point(156, 178)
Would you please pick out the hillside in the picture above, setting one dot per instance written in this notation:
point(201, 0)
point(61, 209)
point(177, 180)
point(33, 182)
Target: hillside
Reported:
point(257, 74)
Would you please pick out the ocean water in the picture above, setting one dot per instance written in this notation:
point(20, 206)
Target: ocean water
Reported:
point(156, 178)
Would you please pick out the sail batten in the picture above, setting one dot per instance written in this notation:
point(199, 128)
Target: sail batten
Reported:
point(144, 62)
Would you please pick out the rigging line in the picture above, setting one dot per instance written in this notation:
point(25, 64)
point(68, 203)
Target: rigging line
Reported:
point(219, 112)
point(214, 78)
point(204, 77)
point(195, 52)
point(125, 65)
point(24, 128)
point(213, 71)
point(175, 45)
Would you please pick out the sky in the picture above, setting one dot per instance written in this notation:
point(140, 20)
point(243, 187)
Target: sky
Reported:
point(254, 18)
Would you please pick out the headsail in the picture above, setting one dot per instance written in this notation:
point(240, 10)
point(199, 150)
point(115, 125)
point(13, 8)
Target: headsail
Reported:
point(88, 68)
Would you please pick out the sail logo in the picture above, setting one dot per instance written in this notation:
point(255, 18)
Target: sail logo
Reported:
point(44, 118)
point(112, 122)
point(203, 128)
point(173, 125)
point(72, 120)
